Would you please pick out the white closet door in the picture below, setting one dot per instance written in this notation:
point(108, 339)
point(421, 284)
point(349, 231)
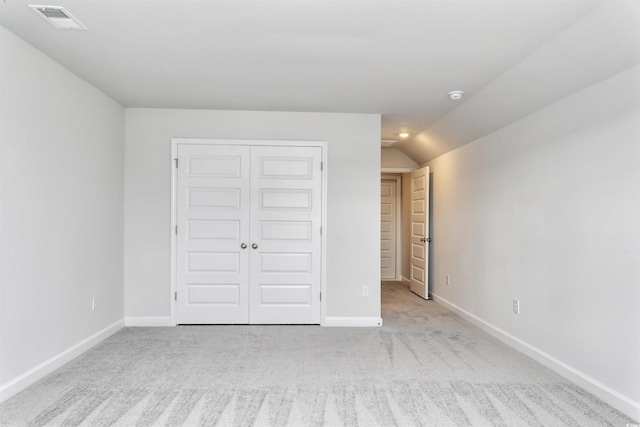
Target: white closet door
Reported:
point(213, 222)
point(388, 229)
point(285, 229)
point(419, 232)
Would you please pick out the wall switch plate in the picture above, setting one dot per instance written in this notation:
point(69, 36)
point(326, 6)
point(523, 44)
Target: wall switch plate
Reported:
point(448, 279)
point(516, 306)
point(94, 303)
point(365, 291)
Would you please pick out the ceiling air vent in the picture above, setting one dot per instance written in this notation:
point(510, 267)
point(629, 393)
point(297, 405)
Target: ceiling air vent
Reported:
point(59, 17)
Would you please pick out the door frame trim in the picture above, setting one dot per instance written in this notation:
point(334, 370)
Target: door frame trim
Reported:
point(398, 180)
point(268, 142)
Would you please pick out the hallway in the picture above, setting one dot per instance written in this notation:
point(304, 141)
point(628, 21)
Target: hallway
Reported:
point(425, 366)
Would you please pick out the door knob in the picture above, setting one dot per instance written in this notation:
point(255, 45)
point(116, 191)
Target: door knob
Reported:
point(254, 246)
point(243, 246)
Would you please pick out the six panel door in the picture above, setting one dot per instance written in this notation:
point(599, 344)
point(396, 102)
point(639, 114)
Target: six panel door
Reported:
point(251, 249)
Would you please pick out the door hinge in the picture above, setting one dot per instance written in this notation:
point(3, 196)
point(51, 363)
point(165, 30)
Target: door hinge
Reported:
point(176, 163)
point(320, 296)
point(321, 166)
point(321, 231)
point(175, 296)
point(176, 229)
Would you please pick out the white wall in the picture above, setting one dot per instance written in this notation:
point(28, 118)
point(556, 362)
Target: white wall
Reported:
point(392, 158)
point(61, 211)
point(547, 211)
point(604, 42)
point(353, 235)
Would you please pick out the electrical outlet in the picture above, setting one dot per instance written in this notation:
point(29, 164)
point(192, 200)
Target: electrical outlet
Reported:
point(365, 291)
point(94, 303)
point(516, 306)
point(448, 279)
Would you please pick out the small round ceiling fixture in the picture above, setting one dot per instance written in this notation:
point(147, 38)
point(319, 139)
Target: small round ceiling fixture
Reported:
point(456, 95)
point(404, 134)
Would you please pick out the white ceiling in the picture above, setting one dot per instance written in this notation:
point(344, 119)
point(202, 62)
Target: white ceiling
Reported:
point(396, 58)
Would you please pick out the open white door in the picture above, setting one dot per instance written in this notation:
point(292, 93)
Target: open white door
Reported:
point(419, 232)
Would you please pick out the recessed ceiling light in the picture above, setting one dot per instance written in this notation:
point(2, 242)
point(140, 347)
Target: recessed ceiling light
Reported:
point(58, 16)
point(456, 95)
point(404, 134)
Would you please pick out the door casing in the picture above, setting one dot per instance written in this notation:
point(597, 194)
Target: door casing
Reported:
point(206, 141)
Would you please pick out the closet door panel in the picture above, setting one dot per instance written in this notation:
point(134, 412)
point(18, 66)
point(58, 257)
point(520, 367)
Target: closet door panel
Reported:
point(213, 221)
point(285, 227)
point(267, 199)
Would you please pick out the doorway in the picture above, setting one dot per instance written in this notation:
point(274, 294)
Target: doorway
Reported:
point(411, 235)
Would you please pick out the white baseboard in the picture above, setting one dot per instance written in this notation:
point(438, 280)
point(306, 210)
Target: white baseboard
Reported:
point(23, 381)
point(148, 321)
point(607, 394)
point(352, 321)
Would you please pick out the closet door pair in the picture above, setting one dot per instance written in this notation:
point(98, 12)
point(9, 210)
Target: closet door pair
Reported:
point(248, 234)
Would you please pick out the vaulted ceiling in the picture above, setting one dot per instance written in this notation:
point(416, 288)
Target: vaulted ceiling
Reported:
point(395, 58)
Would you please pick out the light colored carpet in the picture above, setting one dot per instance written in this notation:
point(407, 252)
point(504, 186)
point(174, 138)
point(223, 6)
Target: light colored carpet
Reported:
point(426, 366)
